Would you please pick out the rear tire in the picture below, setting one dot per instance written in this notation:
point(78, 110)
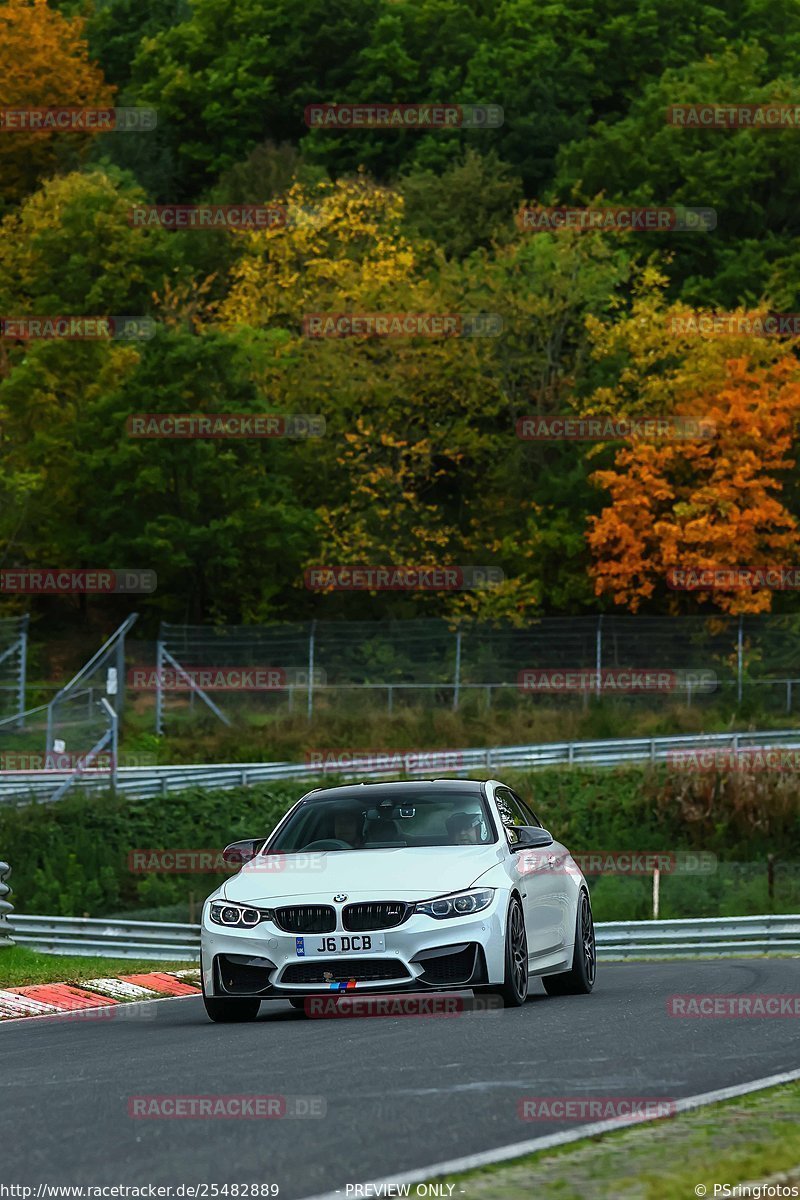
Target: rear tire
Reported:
point(514, 989)
point(579, 980)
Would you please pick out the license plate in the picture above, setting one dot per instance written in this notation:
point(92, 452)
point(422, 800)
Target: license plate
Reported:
point(320, 944)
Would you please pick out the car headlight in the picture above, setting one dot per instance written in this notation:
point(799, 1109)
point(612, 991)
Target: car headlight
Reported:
point(462, 904)
point(237, 916)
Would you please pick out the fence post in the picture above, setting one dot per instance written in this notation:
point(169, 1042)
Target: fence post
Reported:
point(113, 717)
point(119, 700)
point(159, 690)
point(740, 659)
point(23, 669)
point(457, 680)
point(311, 634)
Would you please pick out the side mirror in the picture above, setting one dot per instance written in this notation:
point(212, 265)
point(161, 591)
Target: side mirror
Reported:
point(238, 853)
point(531, 837)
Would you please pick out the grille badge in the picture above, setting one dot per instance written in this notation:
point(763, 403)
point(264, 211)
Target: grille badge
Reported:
point(340, 897)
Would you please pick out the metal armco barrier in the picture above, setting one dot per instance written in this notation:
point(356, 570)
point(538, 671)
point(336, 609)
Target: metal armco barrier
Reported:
point(5, 905)
point(724, 936)
point(18, 787)
point(111, 939)
point(713, 936)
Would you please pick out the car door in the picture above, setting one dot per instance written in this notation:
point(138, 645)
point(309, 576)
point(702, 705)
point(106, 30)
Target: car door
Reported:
point(537, 875)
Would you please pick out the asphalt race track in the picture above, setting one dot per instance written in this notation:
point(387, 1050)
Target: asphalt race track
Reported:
point(399, 1092)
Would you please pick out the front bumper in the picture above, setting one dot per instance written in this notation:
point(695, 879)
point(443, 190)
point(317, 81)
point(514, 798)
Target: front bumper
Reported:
point(421, 954)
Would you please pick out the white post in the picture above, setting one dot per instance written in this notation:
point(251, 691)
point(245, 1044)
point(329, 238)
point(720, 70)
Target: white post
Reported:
point(656, 883)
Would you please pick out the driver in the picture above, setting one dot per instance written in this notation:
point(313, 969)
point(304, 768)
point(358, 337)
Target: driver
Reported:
point(464, 828)
point(347, 827)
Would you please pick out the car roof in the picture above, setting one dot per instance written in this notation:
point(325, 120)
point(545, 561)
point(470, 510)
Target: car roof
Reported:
point(357, 791)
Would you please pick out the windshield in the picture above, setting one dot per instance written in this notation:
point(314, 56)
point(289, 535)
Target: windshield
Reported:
point(328, 822)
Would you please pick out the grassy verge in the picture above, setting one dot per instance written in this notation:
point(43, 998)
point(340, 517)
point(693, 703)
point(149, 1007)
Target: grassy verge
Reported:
point(88, 855)
point(20, 967)
point(196, 736)
point(733, 1142)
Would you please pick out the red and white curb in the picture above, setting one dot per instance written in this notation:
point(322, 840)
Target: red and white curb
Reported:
point(52, 999)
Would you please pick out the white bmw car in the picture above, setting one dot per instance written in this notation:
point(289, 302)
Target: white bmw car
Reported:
point(397, 887)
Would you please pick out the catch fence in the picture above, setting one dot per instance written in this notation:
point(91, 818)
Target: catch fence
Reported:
point(76, 731)
point(13, 664)
point(363, 665)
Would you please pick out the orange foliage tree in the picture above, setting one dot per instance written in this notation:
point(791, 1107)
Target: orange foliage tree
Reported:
point(44, 63)
point(706, 503)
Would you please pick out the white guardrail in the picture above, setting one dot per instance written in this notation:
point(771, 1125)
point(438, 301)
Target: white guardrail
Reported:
point(18, 787)
point(708, 937)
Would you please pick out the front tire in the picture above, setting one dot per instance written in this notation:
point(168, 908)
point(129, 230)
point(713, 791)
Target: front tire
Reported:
point(514, 989)
point(578, 981)
point(231, 1011)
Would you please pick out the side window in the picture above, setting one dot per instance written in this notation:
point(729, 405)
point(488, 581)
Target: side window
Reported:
point(511, 813)
point(530, 815)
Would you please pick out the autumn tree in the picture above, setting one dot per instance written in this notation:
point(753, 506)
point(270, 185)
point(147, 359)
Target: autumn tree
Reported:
point(699, 503)
point(44, 63)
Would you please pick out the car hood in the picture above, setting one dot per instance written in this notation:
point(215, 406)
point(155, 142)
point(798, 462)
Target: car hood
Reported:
point(416, 873)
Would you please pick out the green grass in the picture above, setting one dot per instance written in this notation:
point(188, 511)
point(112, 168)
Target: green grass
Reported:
point(733, 1142)
point(258, 735)
point(20, 967)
